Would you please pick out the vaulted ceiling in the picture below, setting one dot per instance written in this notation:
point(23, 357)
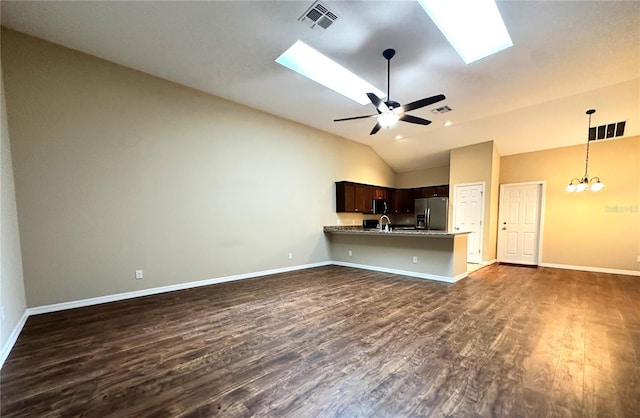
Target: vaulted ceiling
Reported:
point(567, 57)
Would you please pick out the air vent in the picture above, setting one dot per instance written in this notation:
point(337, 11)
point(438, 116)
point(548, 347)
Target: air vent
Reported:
point(440, 110)
point(607, 131)
point(318, 15)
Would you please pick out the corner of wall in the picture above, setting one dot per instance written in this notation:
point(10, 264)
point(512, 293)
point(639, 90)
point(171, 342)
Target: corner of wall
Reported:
point(12, 293)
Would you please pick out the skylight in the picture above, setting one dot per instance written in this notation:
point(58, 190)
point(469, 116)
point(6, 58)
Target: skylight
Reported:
point(305, 60)
point(474, 28)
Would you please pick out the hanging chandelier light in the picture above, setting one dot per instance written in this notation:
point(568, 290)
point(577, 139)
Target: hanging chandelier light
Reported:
point(585, 183)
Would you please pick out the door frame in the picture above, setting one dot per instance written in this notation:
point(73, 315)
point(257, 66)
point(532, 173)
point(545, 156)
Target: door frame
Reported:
point(482, 205)
point(543, 197)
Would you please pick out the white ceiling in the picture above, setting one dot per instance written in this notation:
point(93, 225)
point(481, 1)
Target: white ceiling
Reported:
point(568, 56)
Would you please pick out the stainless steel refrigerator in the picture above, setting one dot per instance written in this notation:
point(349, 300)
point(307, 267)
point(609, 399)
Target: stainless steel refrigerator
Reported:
point(431, 213)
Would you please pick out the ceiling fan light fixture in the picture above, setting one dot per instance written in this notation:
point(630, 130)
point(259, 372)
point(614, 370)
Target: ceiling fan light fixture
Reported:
point(475, 31)
point(310, 63)
point(387, 120)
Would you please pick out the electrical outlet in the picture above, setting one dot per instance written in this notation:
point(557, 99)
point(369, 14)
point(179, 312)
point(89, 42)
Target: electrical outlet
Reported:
point(415, 259)
point(290, 256)
point(639, 259)
point(350, 253)
point(139, 274)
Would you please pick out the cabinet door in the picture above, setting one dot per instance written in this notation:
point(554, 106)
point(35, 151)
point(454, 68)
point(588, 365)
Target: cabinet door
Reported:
point(403, 201)
point(442, 191)
point(431, 191)
point(367, 202)
point(345, 197)
point(382, 193)
point(362, 194)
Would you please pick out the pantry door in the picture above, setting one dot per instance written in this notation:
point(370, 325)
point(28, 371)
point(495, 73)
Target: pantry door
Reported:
point(468, 211)
point(520, 223)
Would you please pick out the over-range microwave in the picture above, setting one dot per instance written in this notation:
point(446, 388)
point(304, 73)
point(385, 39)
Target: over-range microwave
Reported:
point(380, 206)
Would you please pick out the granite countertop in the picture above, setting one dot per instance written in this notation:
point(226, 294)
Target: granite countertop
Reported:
point(403, 232)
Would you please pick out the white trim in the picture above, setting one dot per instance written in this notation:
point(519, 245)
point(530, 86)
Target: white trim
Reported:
point(489, 262)
point(156, 290)
point(543, 203)
point(593, 269)
point(482, 209)
point(8, 346)
point(403, 272)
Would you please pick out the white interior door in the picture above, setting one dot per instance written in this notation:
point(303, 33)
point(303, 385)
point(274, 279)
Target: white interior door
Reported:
point(519, 223)
point(468, 211)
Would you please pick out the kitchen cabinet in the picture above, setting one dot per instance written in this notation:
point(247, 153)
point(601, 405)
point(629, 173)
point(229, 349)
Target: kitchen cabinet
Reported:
point(433, 191)
point(364, 196)
point(357, 198)
point(345, 197)
point(442, 191)
point(353, 197)
point(403, 200)
point(382, 193)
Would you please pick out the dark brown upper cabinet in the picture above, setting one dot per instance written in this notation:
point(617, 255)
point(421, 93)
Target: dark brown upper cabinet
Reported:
point(357, 198)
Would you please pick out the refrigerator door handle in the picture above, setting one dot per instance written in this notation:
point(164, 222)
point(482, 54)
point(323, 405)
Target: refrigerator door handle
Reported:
point(428, 218)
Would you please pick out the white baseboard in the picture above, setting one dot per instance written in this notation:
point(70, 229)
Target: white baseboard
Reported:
point(402, 272)
point(13, 338)
point(593, 269)
point(488, 262)
point(163, 289)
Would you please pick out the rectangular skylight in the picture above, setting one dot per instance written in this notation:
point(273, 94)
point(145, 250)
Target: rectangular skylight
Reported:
point(474, 28)
point(305, 60)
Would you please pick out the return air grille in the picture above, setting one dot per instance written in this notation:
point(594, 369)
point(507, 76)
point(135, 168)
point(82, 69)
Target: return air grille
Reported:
point(318, 15)
point(607, 131)
point(441, 109)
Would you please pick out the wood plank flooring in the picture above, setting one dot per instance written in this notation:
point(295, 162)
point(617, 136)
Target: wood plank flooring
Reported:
point(338, 342)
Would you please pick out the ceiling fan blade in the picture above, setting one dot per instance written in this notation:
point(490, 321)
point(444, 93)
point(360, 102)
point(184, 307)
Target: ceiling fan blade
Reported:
point(375, 129)
point(423, 102)
point(414, 119)
point(379, 104)
point(355, 117)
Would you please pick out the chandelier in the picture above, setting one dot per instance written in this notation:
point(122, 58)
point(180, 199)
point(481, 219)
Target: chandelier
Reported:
point(586, 183)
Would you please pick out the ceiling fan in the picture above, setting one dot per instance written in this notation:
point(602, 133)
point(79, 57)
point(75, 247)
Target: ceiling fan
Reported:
point(390, 112)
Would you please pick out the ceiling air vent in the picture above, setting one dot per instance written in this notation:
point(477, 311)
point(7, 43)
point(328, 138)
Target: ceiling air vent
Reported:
point(440, 110)
point(607, 131)
point(318, 15)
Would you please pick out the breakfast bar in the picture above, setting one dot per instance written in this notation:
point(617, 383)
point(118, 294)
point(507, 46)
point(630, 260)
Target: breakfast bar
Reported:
point(434, 255)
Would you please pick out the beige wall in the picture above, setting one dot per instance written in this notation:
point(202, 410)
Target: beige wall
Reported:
point(116, 170)
point(588, 229)
point(12, 297)
point(491, 243)
point(428, 177)
point(441, 258)
point(474, 164)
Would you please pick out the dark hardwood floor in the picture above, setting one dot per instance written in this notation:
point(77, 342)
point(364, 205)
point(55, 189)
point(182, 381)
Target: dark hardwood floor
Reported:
point(339, 342)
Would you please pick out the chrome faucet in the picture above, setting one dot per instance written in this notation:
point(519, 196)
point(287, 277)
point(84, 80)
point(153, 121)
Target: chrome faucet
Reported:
point(387, 227)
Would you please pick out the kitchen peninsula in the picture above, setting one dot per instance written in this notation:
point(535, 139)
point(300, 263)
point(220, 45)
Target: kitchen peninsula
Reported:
point(435, 255)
